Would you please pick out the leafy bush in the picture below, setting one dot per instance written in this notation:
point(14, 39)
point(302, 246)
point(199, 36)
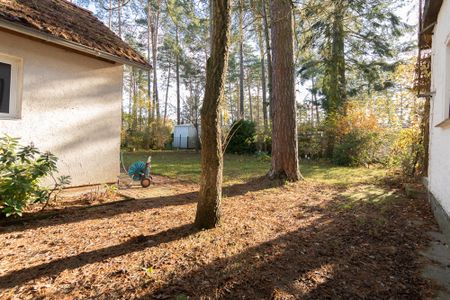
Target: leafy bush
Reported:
point(242, 138)
point(263, 156)
point(311, 141)
point(21, 170)
point(358, 137)
point(357, 148)
point(407, 151)
point(263, 141)
point(156, 136)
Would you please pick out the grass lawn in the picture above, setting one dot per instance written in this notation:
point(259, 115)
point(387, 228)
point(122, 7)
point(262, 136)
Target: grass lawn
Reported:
point(341, 234)
point(241, 168)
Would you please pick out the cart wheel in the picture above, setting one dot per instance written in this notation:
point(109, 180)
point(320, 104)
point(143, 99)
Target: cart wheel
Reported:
point(145, 182)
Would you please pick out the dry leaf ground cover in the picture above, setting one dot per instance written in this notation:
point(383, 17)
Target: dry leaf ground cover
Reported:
point(324, 238)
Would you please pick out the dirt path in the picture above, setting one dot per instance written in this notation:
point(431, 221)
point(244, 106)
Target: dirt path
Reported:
point(307, 240)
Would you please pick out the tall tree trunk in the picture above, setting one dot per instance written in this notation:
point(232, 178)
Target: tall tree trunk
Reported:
point(258, 107)
point(336, 85)
point(130, 103)
point(119, 17)
point(208, 208)
point(110, 14)
point(151, 106)
point(177, 70)
point(316, 102)
point(263, 83)
point(134, 110)
point(138, 96)
point(167, 92)
point(285, 163)
point(241, 61)
point(268, 54)
point(230, 93)
point(339, 83)
point(154, 31)
point(250, 95)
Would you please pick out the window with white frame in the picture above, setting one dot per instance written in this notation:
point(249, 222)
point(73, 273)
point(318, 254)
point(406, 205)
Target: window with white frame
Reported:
point(10, 86)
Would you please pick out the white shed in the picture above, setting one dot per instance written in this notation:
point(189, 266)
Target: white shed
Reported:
point(185, 136)
point(61, 81)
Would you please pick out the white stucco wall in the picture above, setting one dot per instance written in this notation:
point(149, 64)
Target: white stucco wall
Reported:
point(71, 106)
point(439, 170)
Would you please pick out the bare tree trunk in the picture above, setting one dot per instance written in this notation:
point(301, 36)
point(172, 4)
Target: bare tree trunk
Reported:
point(250, 95)
point(258, 108)
point(119, 17)
point(177, 70)
point(154, 31)
point(241, 61)
point(134, 111)
point(151, 106)
point(316, 103)
point(167, 93)
point(285, 163)
point(130, 100)
point(230, 93)
point(263, 83)
point(110, 14)
point(268, 54)
point(208, 208)
point(317, 115)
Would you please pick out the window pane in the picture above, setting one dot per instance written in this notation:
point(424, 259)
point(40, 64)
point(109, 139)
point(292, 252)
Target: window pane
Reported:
point(5, 86)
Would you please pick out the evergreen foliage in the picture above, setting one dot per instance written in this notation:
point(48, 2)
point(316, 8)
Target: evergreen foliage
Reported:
point(242, 138)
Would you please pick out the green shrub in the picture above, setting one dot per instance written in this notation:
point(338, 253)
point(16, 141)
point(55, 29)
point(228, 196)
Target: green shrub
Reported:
point(156, 136)
point(21, 170)
point(263, 141)
point(408, 149)
point(356, 148)
point(311, 141)
point(242, 138)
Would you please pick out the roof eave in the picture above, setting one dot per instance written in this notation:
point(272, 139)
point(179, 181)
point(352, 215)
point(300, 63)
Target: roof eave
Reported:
point(69, 44)
point(430, 13)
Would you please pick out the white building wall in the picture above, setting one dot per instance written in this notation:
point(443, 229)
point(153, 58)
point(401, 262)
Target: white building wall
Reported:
point(71, 106)
point(439, 168)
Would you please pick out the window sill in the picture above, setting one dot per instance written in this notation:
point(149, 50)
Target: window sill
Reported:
point(444, 124)
point(6, 117)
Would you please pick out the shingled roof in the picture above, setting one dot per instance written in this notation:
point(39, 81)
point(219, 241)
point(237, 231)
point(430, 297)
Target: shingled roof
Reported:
point(63, 23)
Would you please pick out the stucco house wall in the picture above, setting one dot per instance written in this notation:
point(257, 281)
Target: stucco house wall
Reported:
point(439, 165)
point(70, 105)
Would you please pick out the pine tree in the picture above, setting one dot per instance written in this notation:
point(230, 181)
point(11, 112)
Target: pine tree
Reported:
point(208, 208)
point(285, 164)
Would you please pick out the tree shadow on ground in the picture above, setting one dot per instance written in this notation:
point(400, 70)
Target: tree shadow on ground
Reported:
point(72, 214)
point(55, 267)
point(368, 251)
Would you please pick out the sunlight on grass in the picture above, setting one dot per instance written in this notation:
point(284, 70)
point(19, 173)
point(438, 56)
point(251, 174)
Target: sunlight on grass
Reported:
point(368, 194)
point(185, 165)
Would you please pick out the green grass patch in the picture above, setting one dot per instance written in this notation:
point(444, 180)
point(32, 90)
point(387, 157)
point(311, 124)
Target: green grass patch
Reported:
point(369, 194)
point(185, 165)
